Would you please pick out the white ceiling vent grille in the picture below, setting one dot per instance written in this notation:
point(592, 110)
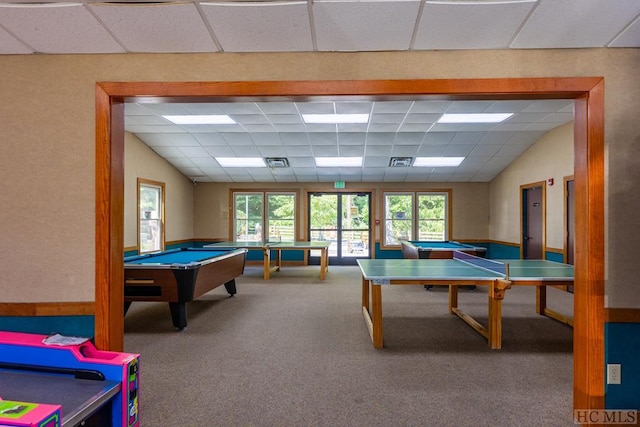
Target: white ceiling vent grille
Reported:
point(277, 162)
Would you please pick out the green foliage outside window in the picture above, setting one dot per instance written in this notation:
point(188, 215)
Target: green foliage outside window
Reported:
point(249, 217)
point(430, 223)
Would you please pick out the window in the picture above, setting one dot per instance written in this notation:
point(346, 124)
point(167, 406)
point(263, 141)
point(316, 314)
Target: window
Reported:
point(255, 220)
point(416, 216)
point(151, 216)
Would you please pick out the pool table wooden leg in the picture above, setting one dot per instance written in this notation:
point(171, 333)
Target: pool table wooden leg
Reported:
point(178, 314)
point(230, 286)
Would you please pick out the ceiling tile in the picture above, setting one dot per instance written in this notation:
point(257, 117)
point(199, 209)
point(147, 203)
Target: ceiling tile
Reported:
point(298, 150)
point(352, 138)
point(207, 139)
point(376, 161)
point(260, 26)
point(272, 150)
point(404, 150)
point(296, 138)
point(434, 150)
point(629, 37)
point(351, 150)
point(168, 152)
point(364, 25)
point(206, 163)
point(245, 151)
point(302, 162)
point(266, 138)
point(409, 138)
point(438, 138)
point(151, 27)
point(378, 150)
point(9, 45)
point(58, 28)
point(322, 138)
point(260, 128)
point(181, 162)
point(238, 138)
point(470, 25)
point(575, 23)
point(380, 138)
point(285, 119)
point(194, 152)
point(467, 138)
point(249, 119)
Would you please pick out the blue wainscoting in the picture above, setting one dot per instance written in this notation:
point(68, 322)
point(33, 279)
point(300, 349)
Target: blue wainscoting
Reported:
point(77, 326)
point(622, 346)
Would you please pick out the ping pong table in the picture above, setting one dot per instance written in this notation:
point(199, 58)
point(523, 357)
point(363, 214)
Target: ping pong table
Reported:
point(278, 247)
point(464, 269)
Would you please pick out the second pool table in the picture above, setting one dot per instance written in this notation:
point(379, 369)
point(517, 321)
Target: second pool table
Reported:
point(412, 249)
point(179, 276)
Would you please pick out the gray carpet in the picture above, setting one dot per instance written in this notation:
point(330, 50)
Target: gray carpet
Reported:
point(295, 351)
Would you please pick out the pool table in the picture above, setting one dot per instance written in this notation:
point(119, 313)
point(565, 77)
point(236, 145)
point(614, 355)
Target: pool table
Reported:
point(179, 276)
point(413, 249)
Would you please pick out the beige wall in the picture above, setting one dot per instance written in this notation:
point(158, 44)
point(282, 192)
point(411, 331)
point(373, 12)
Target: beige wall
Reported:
point(550, 157)
point(140, 161)
point(470, 205)
point(47, 126)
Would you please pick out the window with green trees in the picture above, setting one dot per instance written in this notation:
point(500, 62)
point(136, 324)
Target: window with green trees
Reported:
point(264, 216)
point(415, 216)
point(151, 216)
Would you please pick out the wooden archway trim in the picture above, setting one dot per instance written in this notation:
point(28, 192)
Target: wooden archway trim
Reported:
point(588, 93)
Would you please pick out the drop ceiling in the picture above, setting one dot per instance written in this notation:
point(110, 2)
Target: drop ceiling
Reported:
point(395, 129)
point(404, 128)
point(50, 27)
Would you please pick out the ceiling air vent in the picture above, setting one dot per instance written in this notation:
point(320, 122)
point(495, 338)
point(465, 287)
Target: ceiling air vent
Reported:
point(277, 162)
point(400, 162)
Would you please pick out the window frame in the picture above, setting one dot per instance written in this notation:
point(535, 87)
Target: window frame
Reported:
point(414, 214)
point(264, 220)
point(159, 186)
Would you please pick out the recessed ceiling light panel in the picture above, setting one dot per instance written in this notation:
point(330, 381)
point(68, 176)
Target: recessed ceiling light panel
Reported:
point(241, 162)
point(328, 162)
point(475, 118)
point(435, 162)
point(211, 119)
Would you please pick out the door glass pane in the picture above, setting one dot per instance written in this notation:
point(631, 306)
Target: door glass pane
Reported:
point(248, 221)
point(355, 225)
point(432, 214)
point(398, 218)
point(323, 221)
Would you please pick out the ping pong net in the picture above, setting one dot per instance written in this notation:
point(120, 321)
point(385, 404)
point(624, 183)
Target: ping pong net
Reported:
point(501, 268)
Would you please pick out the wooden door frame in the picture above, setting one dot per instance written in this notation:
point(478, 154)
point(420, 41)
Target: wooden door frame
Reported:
point(588, 95)
point(565, 222)
point(523, 224)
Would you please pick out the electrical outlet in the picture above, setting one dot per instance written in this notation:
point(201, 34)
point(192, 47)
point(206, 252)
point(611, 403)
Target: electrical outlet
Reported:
point(614, 374)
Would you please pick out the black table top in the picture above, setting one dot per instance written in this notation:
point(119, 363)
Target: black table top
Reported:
point(78, 397)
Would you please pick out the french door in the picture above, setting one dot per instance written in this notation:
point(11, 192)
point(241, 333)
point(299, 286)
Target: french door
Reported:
point(344, 219)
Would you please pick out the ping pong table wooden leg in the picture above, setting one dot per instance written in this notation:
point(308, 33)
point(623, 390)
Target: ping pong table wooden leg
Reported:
point(373, 317)
point(376, 315)
point(324, 262)
point(541, 299)
point(495, 322)
point(494, 330)
point(267, 262)
point(453, 298)
point(365, 294)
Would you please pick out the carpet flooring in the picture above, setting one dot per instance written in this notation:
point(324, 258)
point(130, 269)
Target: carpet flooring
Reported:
point(295, 351)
